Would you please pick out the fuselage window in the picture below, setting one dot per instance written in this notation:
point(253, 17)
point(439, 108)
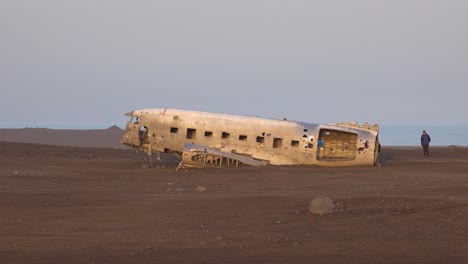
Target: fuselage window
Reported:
point(260, 139)
point(243, 137)
point(225, 135)
point(277, 142)
point(174, 130)
point(294, 143)
point(208, 134)
point(191, 133)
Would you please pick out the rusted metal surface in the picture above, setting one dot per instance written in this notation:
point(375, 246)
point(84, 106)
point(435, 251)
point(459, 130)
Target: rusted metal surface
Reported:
point(200, 156)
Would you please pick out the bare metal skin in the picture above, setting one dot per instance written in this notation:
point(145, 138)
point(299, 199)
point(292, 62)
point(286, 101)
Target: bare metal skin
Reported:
point(278, 142)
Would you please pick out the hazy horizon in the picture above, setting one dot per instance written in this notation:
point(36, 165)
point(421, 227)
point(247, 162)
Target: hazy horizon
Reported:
point(389, 135)
point(386, 62)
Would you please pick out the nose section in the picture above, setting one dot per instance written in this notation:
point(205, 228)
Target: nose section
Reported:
point(125, 140)
point(130, 136)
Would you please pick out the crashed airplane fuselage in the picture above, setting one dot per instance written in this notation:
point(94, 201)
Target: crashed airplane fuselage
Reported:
point(277, 142)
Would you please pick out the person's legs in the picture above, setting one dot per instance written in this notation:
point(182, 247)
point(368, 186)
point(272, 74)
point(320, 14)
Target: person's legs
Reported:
point(426, 150)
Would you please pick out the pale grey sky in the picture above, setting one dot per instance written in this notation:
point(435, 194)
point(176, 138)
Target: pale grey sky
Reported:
point(386, 61)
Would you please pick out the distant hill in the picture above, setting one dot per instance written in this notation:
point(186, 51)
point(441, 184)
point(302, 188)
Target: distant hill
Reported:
point(114, 127)
point(109, 138)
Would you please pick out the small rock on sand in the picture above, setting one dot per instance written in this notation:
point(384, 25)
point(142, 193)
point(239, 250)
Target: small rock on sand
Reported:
point(321, 205)
point(201, 189)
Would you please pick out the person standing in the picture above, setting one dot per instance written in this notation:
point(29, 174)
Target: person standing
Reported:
point(425, 140)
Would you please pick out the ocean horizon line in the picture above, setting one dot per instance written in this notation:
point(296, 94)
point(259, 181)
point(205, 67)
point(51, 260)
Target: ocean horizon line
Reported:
point(389, 135)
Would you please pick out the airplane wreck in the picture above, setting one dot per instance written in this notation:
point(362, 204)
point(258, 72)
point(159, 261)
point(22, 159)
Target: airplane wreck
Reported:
point(204, 139)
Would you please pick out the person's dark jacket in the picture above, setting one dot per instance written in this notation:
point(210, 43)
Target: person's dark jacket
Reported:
point(425, 139)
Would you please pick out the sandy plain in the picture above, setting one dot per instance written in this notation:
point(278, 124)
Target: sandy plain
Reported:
point(76, 204)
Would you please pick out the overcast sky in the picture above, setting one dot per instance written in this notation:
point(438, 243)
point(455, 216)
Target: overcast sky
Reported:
point(395, 61)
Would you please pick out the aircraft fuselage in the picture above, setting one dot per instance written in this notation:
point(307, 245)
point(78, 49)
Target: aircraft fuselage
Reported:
point(279, 142)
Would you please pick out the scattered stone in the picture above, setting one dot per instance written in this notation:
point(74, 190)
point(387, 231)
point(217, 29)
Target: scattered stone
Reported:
point(201, 189)
point(219, 238)
point(321, 205)
point(278, 222)
point(339, 206)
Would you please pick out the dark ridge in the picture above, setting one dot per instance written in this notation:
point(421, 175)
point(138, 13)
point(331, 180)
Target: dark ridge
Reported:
point(114, 127)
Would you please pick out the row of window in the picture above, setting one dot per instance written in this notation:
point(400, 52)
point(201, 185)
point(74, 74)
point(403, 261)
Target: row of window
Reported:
point(277, 142)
